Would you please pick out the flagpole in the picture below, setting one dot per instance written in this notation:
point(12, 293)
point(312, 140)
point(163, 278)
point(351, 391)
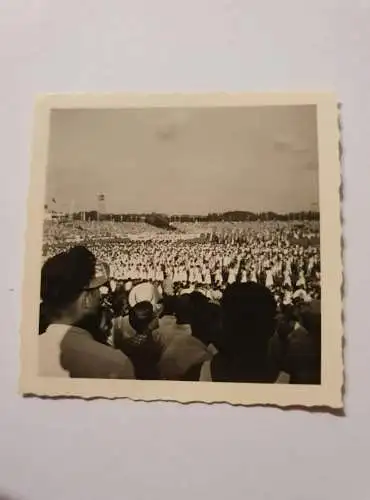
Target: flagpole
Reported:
point(71, 211)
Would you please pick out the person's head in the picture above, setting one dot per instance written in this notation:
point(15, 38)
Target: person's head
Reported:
point(310, 316)
point(182, 308)
point(198, 301)
point(142, 317)
point(209, 326)
point(286, 321)
point(146, 292)
point(120, 302)
point(248, 318)
point(70, 285)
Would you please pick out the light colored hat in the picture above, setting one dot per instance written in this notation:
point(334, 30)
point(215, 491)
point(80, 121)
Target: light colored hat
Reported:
point(142, 293)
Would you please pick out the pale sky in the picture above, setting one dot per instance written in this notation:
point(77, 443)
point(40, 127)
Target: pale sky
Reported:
point(184, 160)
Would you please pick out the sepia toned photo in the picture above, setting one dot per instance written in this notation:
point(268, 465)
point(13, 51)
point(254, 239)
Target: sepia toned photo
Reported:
point(185, 248)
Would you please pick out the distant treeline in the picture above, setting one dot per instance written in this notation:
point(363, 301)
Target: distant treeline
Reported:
point(165, 220)
point(240, 216)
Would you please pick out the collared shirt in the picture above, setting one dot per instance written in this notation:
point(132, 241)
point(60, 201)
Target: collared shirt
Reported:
point(164, 334)
point(69, 351)
point(183, 352)
point(168, 328)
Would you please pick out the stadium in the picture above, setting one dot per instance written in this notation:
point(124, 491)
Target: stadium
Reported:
point(278, 250)
point(210, 243)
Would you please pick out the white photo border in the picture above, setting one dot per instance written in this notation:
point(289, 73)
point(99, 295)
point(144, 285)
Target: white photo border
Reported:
point(329, 394)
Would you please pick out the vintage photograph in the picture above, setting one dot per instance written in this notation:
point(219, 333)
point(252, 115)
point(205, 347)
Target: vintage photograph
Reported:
point(185, 248)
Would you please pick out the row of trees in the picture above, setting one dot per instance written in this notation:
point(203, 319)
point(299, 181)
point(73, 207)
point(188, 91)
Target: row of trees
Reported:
point(240, 216)
point(164, 220)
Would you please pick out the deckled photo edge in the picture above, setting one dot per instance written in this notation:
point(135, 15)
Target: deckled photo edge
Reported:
point(328, 394)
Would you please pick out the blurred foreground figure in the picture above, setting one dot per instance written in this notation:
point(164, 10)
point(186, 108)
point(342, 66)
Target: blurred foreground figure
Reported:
point(296, 344)
point(167, 339)
point(73, 344)
point(248, 324)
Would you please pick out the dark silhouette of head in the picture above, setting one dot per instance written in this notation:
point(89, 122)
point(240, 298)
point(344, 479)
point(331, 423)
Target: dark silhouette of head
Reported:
point(142, 317)
point(248, 319)
point(143, 350)
point(182, 309)
point(205, 319)
point(70, 283)
point(64, 276)
point(310, 315)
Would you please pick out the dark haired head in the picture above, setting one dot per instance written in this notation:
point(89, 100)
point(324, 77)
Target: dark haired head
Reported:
point(206, 323)
point(65, 276)
point(141, 315)
point(311, 317)
point(198, 299)
point(182, 308)
point(248, 316)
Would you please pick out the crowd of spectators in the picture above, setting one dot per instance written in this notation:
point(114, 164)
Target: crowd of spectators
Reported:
point(240, 308)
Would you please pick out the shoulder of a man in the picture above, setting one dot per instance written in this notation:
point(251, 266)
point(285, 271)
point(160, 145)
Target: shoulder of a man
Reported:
point(181, 354)
point(164, 334)
point(49, 351)
point(83, 357)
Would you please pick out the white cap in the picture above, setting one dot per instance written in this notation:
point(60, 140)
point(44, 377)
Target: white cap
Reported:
point(144, 292)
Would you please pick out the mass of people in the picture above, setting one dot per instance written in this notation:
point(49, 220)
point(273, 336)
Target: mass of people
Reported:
point(240, 307)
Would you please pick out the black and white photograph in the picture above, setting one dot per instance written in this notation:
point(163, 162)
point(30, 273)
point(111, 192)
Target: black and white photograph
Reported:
point(181, 239)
